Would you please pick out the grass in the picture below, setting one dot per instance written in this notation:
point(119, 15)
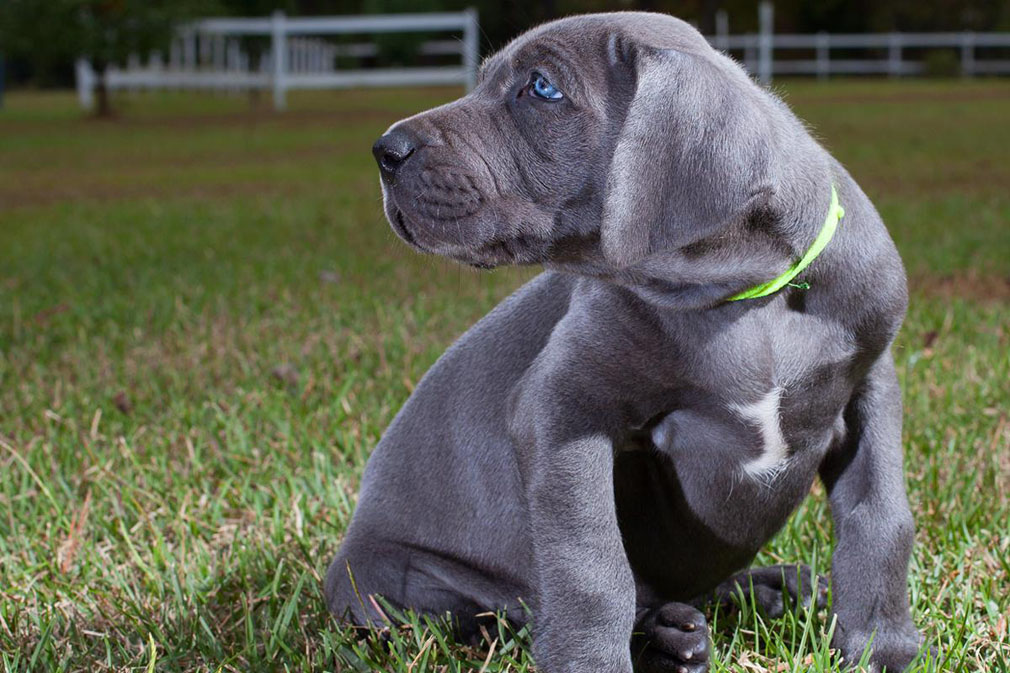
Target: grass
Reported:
point(205, 326)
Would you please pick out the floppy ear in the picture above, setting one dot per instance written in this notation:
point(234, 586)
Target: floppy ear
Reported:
point(693, 156)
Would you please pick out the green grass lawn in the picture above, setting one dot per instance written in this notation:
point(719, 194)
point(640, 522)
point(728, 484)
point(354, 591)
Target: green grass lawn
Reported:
point(206, 324)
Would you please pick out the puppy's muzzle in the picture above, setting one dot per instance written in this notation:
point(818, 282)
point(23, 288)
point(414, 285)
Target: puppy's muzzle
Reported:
point(392, 150)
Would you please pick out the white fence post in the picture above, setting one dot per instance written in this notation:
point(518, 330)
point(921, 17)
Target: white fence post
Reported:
point(85, 83)
point(766, 16)
point(471, 48)
point(280, 52)
point(967, 54)
point(823, 55)
point(894, 55)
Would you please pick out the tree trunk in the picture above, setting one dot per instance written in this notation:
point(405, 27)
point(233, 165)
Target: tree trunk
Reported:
point(103, 105)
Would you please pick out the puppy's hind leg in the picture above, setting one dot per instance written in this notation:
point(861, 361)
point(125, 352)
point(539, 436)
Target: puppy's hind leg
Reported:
point(373, 584)
point(673, 638)
point(774, 589)
point(350, 581)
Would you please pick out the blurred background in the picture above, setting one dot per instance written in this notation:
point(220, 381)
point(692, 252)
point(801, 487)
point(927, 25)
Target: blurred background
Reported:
point(206, 323)
point(41, 40)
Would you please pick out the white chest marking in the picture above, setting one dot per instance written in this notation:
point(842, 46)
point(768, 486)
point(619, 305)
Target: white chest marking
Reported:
point(765, 415)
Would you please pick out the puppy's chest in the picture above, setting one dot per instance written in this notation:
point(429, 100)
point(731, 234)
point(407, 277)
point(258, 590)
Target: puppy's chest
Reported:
point(760, 399)
point(761, 436)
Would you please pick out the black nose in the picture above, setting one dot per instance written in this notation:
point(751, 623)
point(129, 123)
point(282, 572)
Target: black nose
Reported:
point(391, 150)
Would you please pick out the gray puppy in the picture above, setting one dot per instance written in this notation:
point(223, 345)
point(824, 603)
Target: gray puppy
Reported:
point(619, 437)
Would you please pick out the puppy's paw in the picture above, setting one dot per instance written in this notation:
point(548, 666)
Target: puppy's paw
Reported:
point(671, 639)
point(892, 652)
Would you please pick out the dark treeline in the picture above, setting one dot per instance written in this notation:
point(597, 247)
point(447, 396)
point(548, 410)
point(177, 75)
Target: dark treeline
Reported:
point(30, 60)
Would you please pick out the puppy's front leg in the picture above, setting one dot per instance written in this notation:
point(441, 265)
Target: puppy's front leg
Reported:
point(874, 529)
point(585, 604)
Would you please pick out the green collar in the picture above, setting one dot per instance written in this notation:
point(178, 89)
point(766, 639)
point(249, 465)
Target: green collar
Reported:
point(835, 213)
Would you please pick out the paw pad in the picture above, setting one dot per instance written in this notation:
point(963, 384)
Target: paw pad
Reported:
point(672, 639)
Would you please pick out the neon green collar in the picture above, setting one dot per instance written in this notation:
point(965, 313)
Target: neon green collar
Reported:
point(835, 213)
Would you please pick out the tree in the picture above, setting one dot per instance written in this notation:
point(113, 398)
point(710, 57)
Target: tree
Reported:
point(55, 32)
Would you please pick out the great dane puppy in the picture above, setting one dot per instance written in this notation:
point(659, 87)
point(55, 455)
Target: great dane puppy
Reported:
point(622, 435)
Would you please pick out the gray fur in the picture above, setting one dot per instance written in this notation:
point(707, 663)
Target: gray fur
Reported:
point(592, 448)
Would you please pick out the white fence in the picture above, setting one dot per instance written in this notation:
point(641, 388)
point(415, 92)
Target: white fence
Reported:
point(757, 50)
point(895, 45)
point(208, 55)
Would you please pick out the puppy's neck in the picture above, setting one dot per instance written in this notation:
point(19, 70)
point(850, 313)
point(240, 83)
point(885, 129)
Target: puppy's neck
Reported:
point(756, 247)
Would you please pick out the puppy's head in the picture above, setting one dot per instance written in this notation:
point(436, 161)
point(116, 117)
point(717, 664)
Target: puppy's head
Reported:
point(597, 140)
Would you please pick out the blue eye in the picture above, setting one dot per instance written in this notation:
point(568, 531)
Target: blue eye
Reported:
point(541, 88)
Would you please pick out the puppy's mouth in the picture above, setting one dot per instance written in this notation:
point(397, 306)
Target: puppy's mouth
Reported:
point(502, 250)
point(403, 228)
point(513, 250)
point(400, 225)
point(406, 229)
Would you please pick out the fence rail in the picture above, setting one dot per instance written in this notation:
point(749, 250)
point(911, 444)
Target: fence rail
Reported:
point(207, 55)
point(894, 45)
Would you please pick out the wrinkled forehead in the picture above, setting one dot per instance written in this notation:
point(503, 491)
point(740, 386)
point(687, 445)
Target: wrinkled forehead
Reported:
point(572, 38)
point(574, 57)
point(578, 50)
